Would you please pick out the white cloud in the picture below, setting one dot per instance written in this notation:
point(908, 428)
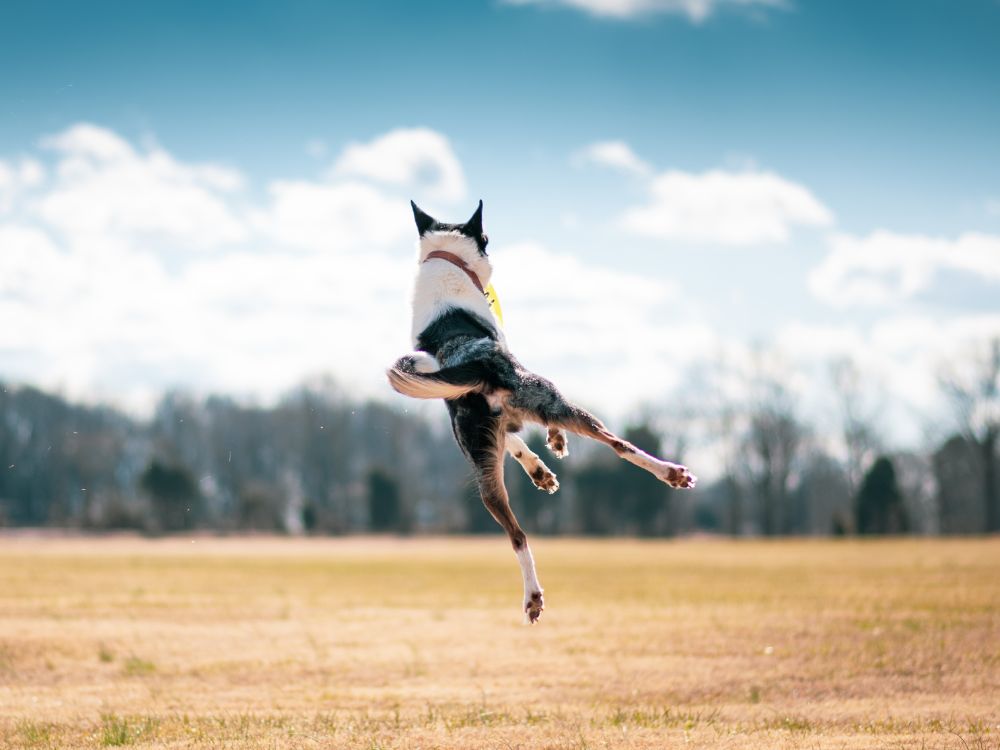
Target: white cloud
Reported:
point(819, 342)
point(745, 207)
point(415, 158)
point(315, 279)
point(696, 11)
point(326, 217)
point(104, 187)
point(729, 208)
point(295, 285)
point(85, 139)
point(885, 268)
point(247, 323)
point(603, 334)
point(614, 154)
point(17, 178)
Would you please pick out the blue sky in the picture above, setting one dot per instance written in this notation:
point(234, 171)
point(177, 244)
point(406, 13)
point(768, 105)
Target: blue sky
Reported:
point(638, 139)
point(906, 91)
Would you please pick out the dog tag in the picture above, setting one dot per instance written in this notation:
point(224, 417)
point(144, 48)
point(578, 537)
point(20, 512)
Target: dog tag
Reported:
point(491, 296)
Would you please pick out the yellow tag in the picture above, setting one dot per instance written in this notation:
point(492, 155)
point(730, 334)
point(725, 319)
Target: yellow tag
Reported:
point(491, 295)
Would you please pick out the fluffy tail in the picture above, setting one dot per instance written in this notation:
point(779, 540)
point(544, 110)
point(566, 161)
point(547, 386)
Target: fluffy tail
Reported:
point(410, 376)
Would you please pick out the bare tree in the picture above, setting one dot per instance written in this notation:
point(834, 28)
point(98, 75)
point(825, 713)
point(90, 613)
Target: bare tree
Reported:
point(773, 442)
point(756, 433)
point(822, 499)
point(973, 388)
point(859, 415)
point(707, 410)
point(915, 473)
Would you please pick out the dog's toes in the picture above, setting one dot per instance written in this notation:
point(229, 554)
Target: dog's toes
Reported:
point(678, 477)
point(544, 479)
point(533, 606)
point(558, 443)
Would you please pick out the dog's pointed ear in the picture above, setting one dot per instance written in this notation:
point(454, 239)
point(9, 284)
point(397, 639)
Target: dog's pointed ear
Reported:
point(424, 221)
point(474, 226)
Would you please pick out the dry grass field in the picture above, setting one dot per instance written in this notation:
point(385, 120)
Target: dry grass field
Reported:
point(384, 643)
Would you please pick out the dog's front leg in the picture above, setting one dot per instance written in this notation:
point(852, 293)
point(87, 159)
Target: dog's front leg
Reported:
point(540, 474)
point(557, 442)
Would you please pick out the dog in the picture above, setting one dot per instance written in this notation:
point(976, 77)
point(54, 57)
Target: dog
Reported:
point(461, 356)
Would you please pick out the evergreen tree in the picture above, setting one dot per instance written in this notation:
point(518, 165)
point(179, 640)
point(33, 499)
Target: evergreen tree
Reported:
point(174, 495)
point(384, 510)
point(879, 506)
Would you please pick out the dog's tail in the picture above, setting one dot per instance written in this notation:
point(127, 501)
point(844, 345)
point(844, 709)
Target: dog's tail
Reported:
point(412, 376)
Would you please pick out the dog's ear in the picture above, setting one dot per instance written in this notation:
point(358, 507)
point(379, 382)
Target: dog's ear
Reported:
point(424, 221)
point(474, 226)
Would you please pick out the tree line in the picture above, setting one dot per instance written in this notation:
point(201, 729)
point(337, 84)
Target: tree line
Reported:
point(319, 462)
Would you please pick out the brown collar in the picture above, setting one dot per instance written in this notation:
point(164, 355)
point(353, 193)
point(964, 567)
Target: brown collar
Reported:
point(456, 261)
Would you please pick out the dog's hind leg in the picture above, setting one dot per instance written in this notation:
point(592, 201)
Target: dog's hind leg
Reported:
point(494, 494)
point(533, 466)
point(584, 423)
point(539, 400)
point(483, 439)
point(421, 362)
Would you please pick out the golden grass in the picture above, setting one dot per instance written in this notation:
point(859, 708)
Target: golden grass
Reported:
point(378, 643)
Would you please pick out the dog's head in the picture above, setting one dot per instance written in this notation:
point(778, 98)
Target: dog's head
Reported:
point(468, 241)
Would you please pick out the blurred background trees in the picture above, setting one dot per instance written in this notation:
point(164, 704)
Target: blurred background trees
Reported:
point(973, 388)
point(320, 462)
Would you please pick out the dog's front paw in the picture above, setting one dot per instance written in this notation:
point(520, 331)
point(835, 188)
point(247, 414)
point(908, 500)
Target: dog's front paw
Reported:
point(544, 479)
point(533, 606)
point(678, 477)
point(557, 443)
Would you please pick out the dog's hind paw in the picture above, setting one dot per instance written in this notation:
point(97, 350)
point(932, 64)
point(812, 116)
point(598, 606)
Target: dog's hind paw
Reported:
point(533, 606)
point(544, 479)
point(557, 443)
point(417, 362)
point(677, 476)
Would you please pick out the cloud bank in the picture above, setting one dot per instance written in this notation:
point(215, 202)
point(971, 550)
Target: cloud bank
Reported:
point(714, 207)
point(126, 270)
point(416, 158)
point(885, 268)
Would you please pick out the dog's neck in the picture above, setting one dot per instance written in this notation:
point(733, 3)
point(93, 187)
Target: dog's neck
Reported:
point(456, 261)
point(462, 247)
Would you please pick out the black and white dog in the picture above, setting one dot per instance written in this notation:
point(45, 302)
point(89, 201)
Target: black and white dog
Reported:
point(462, 356)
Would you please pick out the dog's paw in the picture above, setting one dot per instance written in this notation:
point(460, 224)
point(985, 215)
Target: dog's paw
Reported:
point(533, 606)
point(544, 479)
point(678, 477)
point(417, 362)
point(424, 363)
point(557, 443)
